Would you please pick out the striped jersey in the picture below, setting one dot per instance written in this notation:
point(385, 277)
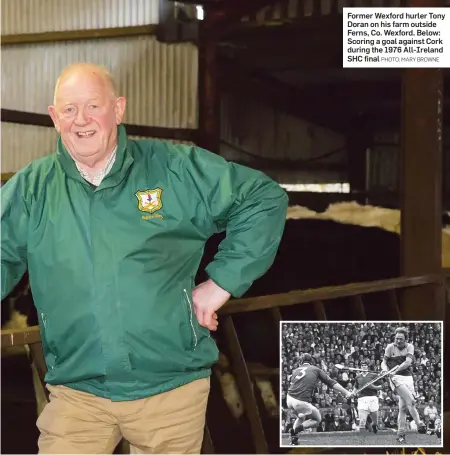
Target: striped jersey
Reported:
point(395, 356)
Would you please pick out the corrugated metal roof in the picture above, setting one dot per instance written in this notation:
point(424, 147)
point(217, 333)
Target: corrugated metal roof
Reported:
point(22, 144)
point(159, 80)
point(37, 16)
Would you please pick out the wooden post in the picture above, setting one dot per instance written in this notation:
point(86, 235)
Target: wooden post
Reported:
point(421, 189)
point(359, 139)
point(208, 93)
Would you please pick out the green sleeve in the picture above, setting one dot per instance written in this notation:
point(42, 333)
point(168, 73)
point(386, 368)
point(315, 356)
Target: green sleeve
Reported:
point(250, 207)
point(14, 232)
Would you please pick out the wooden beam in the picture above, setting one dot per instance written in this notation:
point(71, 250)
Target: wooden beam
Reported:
point(421, 190)
point(20, 337)
point(280, 96)
point(78, 35)
point(44, 120)
point(326, 293)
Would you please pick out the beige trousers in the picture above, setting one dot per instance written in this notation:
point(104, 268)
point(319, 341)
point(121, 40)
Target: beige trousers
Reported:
point(78, 422)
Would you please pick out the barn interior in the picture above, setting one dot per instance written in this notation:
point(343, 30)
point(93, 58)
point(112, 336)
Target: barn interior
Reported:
point(261, 83)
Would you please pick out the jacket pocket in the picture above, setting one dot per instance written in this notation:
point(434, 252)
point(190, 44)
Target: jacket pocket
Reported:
point(47, 344)
point(192, 323)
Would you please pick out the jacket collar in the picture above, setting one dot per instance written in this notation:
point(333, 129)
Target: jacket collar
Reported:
point(123, 161)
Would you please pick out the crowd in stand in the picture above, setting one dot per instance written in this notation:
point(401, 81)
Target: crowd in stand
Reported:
point(350, 343)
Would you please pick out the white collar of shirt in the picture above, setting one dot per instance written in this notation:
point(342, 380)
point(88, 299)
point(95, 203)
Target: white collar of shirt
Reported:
point(96, 179)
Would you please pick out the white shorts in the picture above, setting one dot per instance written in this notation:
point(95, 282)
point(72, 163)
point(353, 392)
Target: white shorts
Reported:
point(398, 380)
point(300, 406)
point(369, 404)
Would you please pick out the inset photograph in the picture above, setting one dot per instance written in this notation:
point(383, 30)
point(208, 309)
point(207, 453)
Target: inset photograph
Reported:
point(353, 384)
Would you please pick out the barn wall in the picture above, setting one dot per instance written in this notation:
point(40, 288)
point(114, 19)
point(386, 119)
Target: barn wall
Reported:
point(251, 130)
point(38, 16)
point(158, 79)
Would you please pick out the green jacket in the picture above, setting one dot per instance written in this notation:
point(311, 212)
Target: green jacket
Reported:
point(112, 268)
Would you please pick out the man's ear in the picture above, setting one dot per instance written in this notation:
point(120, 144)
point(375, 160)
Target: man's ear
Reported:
point(119, 109)
point(53, 115)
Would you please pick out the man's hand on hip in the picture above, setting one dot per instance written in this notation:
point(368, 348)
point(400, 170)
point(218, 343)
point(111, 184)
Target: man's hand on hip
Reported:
point(208, 297)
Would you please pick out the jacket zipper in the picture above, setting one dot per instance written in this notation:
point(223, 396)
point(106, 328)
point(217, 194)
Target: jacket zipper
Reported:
point(191, 318)
point(44, 322)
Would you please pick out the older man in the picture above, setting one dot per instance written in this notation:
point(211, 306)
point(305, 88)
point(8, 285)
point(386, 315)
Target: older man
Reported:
point(112, 233)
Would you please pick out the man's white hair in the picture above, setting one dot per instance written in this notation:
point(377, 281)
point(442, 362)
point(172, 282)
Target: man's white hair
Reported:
point(101, 70)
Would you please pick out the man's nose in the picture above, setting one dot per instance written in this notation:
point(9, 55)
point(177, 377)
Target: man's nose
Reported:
point(81, 118)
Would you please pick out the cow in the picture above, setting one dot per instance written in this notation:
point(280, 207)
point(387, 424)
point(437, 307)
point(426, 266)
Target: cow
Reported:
point(346, 243)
